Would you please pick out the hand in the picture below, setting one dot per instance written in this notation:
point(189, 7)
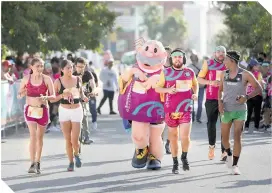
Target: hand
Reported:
point(43, 98)
point(21, 93)
point(85, 99)
point(194, 97)
point(241, 99)
point(139, 74)
point(66, 94)
point(172, 90)
point(221, 107)
point(215, 83)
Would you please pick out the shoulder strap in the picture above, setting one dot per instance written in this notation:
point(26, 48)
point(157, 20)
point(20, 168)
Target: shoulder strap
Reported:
point(77, 82)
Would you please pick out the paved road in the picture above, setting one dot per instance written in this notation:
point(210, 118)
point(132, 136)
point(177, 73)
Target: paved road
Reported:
point(107, 165)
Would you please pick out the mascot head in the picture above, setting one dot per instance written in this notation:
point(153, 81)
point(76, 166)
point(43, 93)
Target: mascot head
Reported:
point(151, 56)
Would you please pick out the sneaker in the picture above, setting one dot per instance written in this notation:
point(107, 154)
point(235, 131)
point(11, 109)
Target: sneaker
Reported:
point(185, 164)
point(235, 170)
point(113, 113)
point(211, 152)
point(78, 161)
point(175, 169)
point(71, 167)
point(38, 168)
point(98, 111)
point(153, 163)
point(87, 142)
point(224, 156)
point(229, 161)
point(140, 158)
point(32, 169)
point(199, 121)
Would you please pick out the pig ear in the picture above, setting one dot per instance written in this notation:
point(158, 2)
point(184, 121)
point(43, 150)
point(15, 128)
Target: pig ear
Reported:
point(139, 43)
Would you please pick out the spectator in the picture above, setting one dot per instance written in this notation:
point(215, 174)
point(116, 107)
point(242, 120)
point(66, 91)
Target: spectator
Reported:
point(7, 73)
point(255, 103)
point(110, 84)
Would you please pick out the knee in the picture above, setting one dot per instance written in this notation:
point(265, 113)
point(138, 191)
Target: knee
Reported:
point(138, 137)
point(185, 138)
point(173, 135)
point(40, 141)
point(68, 142)
point(75, 143)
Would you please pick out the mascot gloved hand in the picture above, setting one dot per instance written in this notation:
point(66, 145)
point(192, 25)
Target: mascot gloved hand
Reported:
point(140, 104)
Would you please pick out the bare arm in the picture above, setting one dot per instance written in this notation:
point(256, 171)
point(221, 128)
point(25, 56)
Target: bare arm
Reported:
point(56, 90)
point(254, 83)
point(22, 89)
point(220, 91)
point(49, 83)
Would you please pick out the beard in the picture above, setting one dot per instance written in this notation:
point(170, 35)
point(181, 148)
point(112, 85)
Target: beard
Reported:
point(220, 58)
point(178, 65)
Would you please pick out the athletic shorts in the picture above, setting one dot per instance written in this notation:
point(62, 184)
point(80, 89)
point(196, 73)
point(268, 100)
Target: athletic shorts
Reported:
point(73, 115)
point(174, 119)
point(42, 121)
point(229, 117)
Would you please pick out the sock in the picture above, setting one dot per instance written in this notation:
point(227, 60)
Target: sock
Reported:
point(235, 160)
point(184, 155)
point(175, 160)
point(229, 152)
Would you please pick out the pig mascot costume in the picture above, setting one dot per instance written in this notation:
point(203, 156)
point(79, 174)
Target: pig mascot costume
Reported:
point(139, 104)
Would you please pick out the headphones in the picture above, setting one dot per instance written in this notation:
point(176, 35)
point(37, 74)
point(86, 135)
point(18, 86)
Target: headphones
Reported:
point(178, 50)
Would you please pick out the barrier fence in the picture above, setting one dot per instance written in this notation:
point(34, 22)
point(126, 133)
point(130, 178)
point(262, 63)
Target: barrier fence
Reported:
point(12, 108)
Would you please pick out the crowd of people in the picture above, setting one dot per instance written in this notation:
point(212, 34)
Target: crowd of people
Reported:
point(64, 90)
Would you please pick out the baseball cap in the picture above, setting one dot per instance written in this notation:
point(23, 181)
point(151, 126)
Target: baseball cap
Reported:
point(253, 62)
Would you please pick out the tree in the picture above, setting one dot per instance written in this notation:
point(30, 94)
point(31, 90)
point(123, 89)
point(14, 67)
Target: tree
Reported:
point(152, 20)
point(46, 26)
point(173, 29)
point(249, 26)
point(169, 31)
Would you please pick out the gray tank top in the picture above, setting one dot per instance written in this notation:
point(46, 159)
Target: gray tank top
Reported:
point(231, 89)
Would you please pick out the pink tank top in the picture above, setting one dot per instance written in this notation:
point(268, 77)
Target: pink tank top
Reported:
point(250, 89)
point(214, 71)
point(36, 91)
point(182, 100)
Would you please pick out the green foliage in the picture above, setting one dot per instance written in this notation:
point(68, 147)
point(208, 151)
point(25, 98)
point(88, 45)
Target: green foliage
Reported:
point(46, 26)
point(152, 20)
point(249, 26)
point(171, 31)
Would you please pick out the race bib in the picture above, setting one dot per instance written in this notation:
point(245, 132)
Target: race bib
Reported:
point(35, 112)
point(218, 74)
point(183, 85)
point(138, 88)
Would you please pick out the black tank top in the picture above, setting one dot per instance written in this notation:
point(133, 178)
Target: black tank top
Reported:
point(62, 88)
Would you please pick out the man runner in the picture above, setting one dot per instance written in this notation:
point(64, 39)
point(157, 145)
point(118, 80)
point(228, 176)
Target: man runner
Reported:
point(233, 107)
point(210, 76)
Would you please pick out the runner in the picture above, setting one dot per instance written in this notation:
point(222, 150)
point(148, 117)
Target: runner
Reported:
point(88, 87)
point(210, 76)
point(177, 83)
point(233, 107)
point(38, 88)
point(70, 91)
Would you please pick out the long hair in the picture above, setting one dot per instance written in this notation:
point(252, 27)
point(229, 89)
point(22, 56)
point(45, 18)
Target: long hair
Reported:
point(34, 61)
point(64, 63)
